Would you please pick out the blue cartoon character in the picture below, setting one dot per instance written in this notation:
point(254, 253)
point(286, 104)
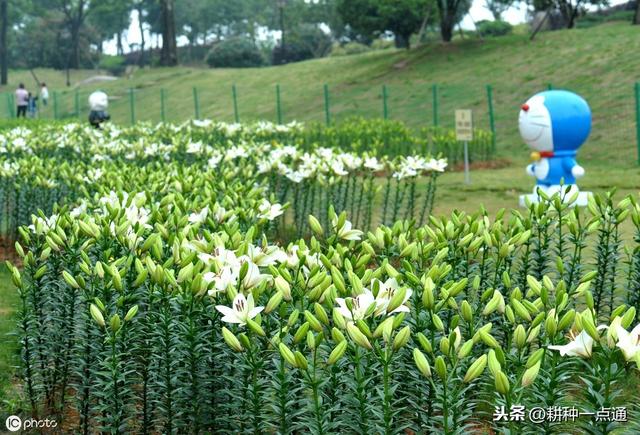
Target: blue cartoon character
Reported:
point(555, 124)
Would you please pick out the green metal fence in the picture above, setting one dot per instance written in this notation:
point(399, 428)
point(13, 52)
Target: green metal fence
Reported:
point(495, 107)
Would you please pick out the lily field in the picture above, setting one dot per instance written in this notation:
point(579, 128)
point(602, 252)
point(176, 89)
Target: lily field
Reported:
point(208, 277)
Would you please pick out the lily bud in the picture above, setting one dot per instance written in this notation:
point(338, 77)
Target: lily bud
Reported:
point(337, 352)
point(422, 363)
point(397, 299)
point(441, 368)
point(321, 314)
point(494, 364)
point(131, 313)
point(314, 323)
point(70, 279)
point(466, 311)
point(287, 354)
point(530, 375)
point(231, 340)
point(115, 323)
point(465, 349)
point(501, 383)
point(96, 314)
point(520, 337)
point(424, 342)
point(255, 327)
point(315, 226)
point(476, 369)
point(357, 336)
point(402, 338)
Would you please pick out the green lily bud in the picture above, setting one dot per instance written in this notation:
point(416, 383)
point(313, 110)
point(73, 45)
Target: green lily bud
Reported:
point(321, 314)
point(379, 329)
point(337, 352)
point(566, 320)
point(444, 346)
point(244, 340)
point(493, 304)
point(293, 318)
point(337, 335)
point(530, 375)
point(131, 313)
point(520, 337)
point(96, 314)
point(364, 328)
point(231, 340)
point(628, 317)
point(428, 299)
point(287, 354)
point(441, 368)
point(476, 368)
point(314, 323)
point(70, 279)
point(535, 357)
point(437, 322)
point(520, 310)
point(488, 339)
point(315, 226)
point(301, 333)
point(311, 340)
point(402, 338)
point(466, 311)
point(422, 363)
point(397, 299)
point(358, 337)
point(501, 383)
point(115, 323)
point(465, 349)
point(338, 319)
point(494, 364)
point(283, 286)
point(551, 326)
point(274, 302)
point(424, 342)
point(534, 285)
point(255, 327)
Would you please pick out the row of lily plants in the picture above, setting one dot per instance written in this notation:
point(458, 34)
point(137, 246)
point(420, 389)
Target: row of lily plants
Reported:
point(176, 324)
point(44, 167)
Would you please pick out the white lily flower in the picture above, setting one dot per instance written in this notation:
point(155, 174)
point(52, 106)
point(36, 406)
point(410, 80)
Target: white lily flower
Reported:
point(360, 303)
point(254, 278)
point(270, 211)
point(242, 309)
point(579, 346)
point(345, 232)
point(227, 276)
point(385, 293)
point(629, 342)
point(199, 217)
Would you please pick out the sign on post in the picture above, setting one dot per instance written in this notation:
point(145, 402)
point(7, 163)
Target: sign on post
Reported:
point(464, 133)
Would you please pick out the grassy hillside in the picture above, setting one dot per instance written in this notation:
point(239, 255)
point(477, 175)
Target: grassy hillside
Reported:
point(596, 62)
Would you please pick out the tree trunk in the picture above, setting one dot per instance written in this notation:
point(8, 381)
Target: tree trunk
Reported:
point(402, 41)
point(3, 42)
point(119, 47)
point(142, 41)
point(169, 53)
point(446, 28)
point(636, 20)
point(75, 45)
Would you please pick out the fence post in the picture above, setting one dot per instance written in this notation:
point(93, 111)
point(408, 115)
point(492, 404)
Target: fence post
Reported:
point(327, 113)
point(434, 91)
point(235, 103)
point(638, 118)
point(132, 108)
point(492, 123)
point(196, 104)
point(77, 104)
point(162, 115)
point(385, 110)
point(549, 87)
point(55, 105)
point(278, 107)
point(12, 106)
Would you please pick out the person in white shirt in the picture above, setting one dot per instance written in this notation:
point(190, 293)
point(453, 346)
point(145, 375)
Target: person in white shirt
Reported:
point(22, 101)
point(44, 94)
point(98, 103)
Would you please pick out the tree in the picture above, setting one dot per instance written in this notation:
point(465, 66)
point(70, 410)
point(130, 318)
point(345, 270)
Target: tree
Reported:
point(370, 18)
point(451, 13)
point(570, 9)
point(4, 55)
point(498, 7)
point(110, 18)
point(169, 52)
point(636, 19)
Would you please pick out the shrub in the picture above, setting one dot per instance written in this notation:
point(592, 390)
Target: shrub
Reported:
point(349, 49)
point(306, 42)
point(494, 28)
point(235, 53)
point(114, 64)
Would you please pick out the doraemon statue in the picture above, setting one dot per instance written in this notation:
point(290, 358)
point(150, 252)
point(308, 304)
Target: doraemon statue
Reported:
point(555, 124)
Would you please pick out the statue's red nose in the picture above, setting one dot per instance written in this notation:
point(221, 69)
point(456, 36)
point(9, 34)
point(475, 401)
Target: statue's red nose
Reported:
point(525, 107)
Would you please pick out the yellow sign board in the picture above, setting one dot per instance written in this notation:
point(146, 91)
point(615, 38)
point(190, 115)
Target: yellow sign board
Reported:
point(464, 125)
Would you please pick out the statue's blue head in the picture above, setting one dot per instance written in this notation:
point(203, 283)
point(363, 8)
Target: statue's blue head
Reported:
point(553, 121)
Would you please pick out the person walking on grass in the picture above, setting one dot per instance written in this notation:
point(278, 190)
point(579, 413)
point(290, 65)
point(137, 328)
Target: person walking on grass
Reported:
point(22, 101)
point(32, 106)
point(44, 94)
